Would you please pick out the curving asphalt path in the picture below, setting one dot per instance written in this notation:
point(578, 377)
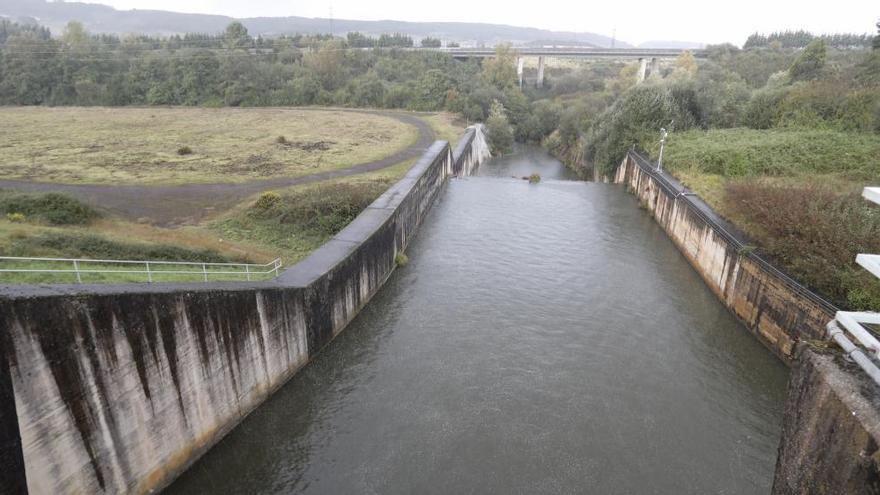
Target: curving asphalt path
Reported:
point(187, 204)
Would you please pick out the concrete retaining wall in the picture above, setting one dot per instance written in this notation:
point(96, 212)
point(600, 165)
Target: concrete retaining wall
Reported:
point(831, 430)
point(118, 389)
point(831, 426)
point(775, 308)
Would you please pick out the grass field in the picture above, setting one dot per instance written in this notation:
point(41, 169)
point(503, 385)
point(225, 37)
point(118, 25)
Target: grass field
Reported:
point(306, 216)
point(189, 145)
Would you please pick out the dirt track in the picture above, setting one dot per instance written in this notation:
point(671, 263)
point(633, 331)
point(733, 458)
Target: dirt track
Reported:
point(169, 206)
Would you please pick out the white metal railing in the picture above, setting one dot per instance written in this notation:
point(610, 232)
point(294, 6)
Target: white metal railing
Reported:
point(848, 324)
point(151, 269)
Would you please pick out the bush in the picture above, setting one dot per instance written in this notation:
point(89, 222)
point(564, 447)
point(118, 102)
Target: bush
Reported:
point(282, 140)
point(267, 200)
point(16, 217)
point(815, 234)
point(763, 108)
point(499, 131)
point(534, 178)
point(53, 208)
point(184, 150)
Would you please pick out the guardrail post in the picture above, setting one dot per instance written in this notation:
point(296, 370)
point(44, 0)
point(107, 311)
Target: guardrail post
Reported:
point(76, 269)
point(149, 274)
point(277, 266)
point(247, 269)
point(205, 271)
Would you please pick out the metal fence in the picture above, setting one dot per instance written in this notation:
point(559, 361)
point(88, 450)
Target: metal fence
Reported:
point(148, 271)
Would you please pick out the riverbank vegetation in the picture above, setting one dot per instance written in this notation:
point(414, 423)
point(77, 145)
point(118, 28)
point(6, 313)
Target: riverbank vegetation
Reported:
point(779, 140)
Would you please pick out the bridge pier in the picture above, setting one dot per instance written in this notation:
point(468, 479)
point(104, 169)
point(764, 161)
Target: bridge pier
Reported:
point(519, 70)
point(643, 67)
point(540, 83)
point(655, 67)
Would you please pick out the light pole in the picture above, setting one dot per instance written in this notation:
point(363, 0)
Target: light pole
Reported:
point(663, 135)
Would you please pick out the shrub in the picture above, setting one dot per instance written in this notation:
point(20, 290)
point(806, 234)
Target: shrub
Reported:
point(282, 140)
point(53, 208)
point(763, 108)
point(184, 150)
point(401, 259)
point(267, 200)
point(534, 179)
point(815, 234)
point(16, 217)
point(499, 131)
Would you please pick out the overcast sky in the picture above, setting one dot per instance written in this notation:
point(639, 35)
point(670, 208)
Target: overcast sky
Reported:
point(635, 20)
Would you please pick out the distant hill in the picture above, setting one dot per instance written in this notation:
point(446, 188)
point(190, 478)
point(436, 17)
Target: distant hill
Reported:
point(103, 19)
point(683, 45)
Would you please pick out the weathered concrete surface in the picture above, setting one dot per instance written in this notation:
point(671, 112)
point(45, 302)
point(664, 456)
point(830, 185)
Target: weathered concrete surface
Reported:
point(118, 389)
point(775, 309)
point(831, 429)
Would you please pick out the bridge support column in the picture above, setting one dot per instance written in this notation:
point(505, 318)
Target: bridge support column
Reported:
point(519, 70)
point(655, 67)
point(540, 83)
point(643, 67)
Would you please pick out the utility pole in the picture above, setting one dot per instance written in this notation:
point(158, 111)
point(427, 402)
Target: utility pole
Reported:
point(331, 19)
point(613, 36)
point(663, 135)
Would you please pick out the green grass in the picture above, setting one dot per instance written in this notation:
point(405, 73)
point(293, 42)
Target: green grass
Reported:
point(738, 153)
point(140, 145)
point(795, 193)
point(67, 243)
point(295, 221)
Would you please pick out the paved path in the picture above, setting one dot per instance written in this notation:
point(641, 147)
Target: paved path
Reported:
point(186, 204)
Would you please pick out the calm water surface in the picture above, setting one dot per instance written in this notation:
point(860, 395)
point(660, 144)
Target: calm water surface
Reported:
point(544, 338)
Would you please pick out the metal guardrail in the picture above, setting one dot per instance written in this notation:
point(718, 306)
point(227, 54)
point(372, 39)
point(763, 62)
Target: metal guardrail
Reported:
point(151, 268)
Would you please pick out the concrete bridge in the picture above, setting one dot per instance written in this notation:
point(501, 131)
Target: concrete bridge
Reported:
point(643, 55)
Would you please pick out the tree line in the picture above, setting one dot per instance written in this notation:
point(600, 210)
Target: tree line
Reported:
point(801, 38)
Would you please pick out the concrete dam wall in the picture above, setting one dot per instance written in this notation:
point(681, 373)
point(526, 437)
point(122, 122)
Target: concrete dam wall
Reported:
point(118, 389)
point(831, 425)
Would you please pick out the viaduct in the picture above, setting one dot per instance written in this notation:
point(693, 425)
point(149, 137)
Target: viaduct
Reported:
point(642, 54)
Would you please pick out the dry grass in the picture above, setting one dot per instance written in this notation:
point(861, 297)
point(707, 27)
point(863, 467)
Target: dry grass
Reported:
point(139, 145)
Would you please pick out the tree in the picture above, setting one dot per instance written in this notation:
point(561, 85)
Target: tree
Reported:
point(359, 40)
point(500, 71)
point(236, 36)
point(876, 42)
point(429, 42)
point(500, 133)
point(810, 62)
point(685, 66)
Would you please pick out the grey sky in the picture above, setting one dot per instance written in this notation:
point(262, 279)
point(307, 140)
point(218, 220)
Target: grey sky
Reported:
point(636, 20)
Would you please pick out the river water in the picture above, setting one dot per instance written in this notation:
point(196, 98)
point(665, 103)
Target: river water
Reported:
point(544, 338)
